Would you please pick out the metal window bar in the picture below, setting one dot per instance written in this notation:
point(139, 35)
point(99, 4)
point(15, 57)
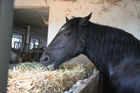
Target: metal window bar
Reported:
point(6, 22)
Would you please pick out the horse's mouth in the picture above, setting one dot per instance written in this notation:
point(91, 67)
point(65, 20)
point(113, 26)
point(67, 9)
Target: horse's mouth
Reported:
point(46, 64)
point(50, 64)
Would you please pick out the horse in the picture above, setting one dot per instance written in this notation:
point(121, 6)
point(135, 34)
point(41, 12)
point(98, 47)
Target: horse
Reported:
point(115, 52)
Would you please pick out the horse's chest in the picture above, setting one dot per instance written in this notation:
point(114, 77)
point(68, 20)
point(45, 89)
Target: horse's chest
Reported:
point(123, 77)
point(116, 73)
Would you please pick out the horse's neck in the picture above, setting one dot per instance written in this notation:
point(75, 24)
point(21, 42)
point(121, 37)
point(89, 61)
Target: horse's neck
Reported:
point(103, 48)
point(98, 60)
point(96, 55)
point(94, 50)
point(100, 50)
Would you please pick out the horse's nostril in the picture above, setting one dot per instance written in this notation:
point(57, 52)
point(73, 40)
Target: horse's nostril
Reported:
point(45, 59)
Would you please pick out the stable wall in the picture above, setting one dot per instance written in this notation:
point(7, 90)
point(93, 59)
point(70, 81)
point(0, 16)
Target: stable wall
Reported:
point(124, 14)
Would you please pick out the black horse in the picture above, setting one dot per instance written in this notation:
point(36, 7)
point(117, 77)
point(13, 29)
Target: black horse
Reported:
point(113, 51)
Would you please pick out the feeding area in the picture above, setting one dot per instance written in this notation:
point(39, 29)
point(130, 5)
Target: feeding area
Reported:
point(32, 78)
point(36, 23)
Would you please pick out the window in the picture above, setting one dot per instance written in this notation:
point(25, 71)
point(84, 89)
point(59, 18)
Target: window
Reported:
point(34, 43)
point(16, 41)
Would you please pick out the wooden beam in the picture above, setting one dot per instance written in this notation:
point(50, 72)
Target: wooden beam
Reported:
point(30, 4)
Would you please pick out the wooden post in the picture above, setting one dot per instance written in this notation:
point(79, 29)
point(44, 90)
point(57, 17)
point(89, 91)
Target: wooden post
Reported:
point(23, 43)
point(6, 18)
point(28, 38)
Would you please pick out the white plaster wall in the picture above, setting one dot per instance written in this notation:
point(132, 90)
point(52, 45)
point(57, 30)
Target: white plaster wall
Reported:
point(124, 14)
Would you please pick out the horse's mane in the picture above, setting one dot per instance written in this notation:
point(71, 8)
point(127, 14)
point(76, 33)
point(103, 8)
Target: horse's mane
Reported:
point(106, 43)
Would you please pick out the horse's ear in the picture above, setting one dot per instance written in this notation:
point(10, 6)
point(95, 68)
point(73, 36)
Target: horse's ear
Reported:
point(85, 20)
point(67, 19)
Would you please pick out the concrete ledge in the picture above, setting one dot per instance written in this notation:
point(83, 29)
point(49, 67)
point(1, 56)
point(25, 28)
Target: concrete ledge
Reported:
point(93, 84)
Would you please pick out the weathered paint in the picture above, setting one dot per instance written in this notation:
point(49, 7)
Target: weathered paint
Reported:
point(124, 14)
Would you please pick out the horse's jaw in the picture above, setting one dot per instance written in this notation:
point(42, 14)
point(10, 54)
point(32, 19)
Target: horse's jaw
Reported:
point(54, 66)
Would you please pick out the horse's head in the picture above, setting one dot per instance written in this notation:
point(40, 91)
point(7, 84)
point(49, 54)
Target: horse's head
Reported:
point(68, 43)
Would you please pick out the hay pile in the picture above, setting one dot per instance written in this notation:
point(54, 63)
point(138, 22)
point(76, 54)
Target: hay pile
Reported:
point(32, 78)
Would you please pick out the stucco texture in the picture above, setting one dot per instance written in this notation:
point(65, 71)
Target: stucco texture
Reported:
point(124, 14)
